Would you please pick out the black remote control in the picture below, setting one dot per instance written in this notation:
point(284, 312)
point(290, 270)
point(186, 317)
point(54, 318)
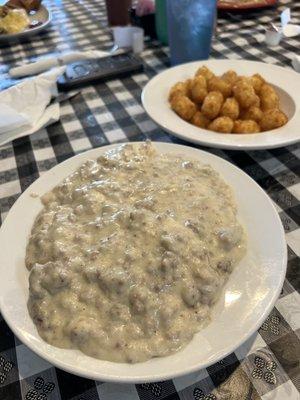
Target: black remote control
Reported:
point(96, 70)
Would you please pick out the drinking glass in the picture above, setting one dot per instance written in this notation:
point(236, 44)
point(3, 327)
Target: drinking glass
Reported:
point(190, 29)
point(118, 12)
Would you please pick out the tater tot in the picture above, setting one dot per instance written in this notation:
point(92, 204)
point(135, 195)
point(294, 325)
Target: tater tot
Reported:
point(204, 71)
point(268, 97)
point(212, 104)
point(254, 113)
point(256, 102)
point(184, 107)
point(257, 81)
point(244, 94)
point(221, 124)
point(200, 120)
point(273, 119)
point(230, 108)
point(230, 77)
point(198, 89)
point(219, 85)
point(245, 126)
point(228, 103)
point(180, 88)
point(188, 84)
point(243, 80)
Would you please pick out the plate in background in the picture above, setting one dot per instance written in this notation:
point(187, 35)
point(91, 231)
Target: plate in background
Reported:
point(244, 5)
point(42, 15)
point(286, 82)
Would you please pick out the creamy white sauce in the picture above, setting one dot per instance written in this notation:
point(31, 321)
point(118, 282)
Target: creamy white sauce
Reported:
point(130, 253)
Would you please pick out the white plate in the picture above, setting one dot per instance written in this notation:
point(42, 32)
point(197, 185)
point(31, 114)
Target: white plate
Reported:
point(286, 81)
point(248, 297)
point(42, 15)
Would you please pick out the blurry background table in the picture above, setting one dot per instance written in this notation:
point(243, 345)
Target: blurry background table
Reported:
point(266, 367)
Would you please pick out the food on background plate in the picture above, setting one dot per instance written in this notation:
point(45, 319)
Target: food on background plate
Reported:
point(211, 105)
point(185, 108)
point(28, 5)
point(221, 124)
point(230, 108)
point(130, 253)
point(272, 119)
point(14, 16)
point(14, 21)
point(238, 3)
point(227, 104)
point(198, 89)
point(245, 126)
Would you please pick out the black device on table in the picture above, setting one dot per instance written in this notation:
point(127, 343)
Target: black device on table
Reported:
point(85, 72)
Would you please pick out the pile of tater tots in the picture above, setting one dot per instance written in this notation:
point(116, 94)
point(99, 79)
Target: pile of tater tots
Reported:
point(227, 104)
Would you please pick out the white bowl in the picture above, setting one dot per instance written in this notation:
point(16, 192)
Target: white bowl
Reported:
point(245, 303)
point(286, 81)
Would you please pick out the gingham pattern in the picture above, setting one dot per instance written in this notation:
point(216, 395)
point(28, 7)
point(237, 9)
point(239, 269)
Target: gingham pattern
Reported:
point(267, 366)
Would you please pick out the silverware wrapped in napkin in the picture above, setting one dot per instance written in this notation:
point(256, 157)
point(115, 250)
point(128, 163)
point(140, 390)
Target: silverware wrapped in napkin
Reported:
point(46, 63)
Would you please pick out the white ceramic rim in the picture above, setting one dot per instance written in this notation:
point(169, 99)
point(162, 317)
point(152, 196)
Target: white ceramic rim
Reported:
point(75, 368)
point(155, 103)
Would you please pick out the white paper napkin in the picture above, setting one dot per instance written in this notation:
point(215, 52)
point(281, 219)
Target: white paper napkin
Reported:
point(47, 63)
point(291, 30)
point(24, 108)
point(51, 115)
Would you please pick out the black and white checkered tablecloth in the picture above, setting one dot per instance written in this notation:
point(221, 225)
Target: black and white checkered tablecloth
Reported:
point(268, 365)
